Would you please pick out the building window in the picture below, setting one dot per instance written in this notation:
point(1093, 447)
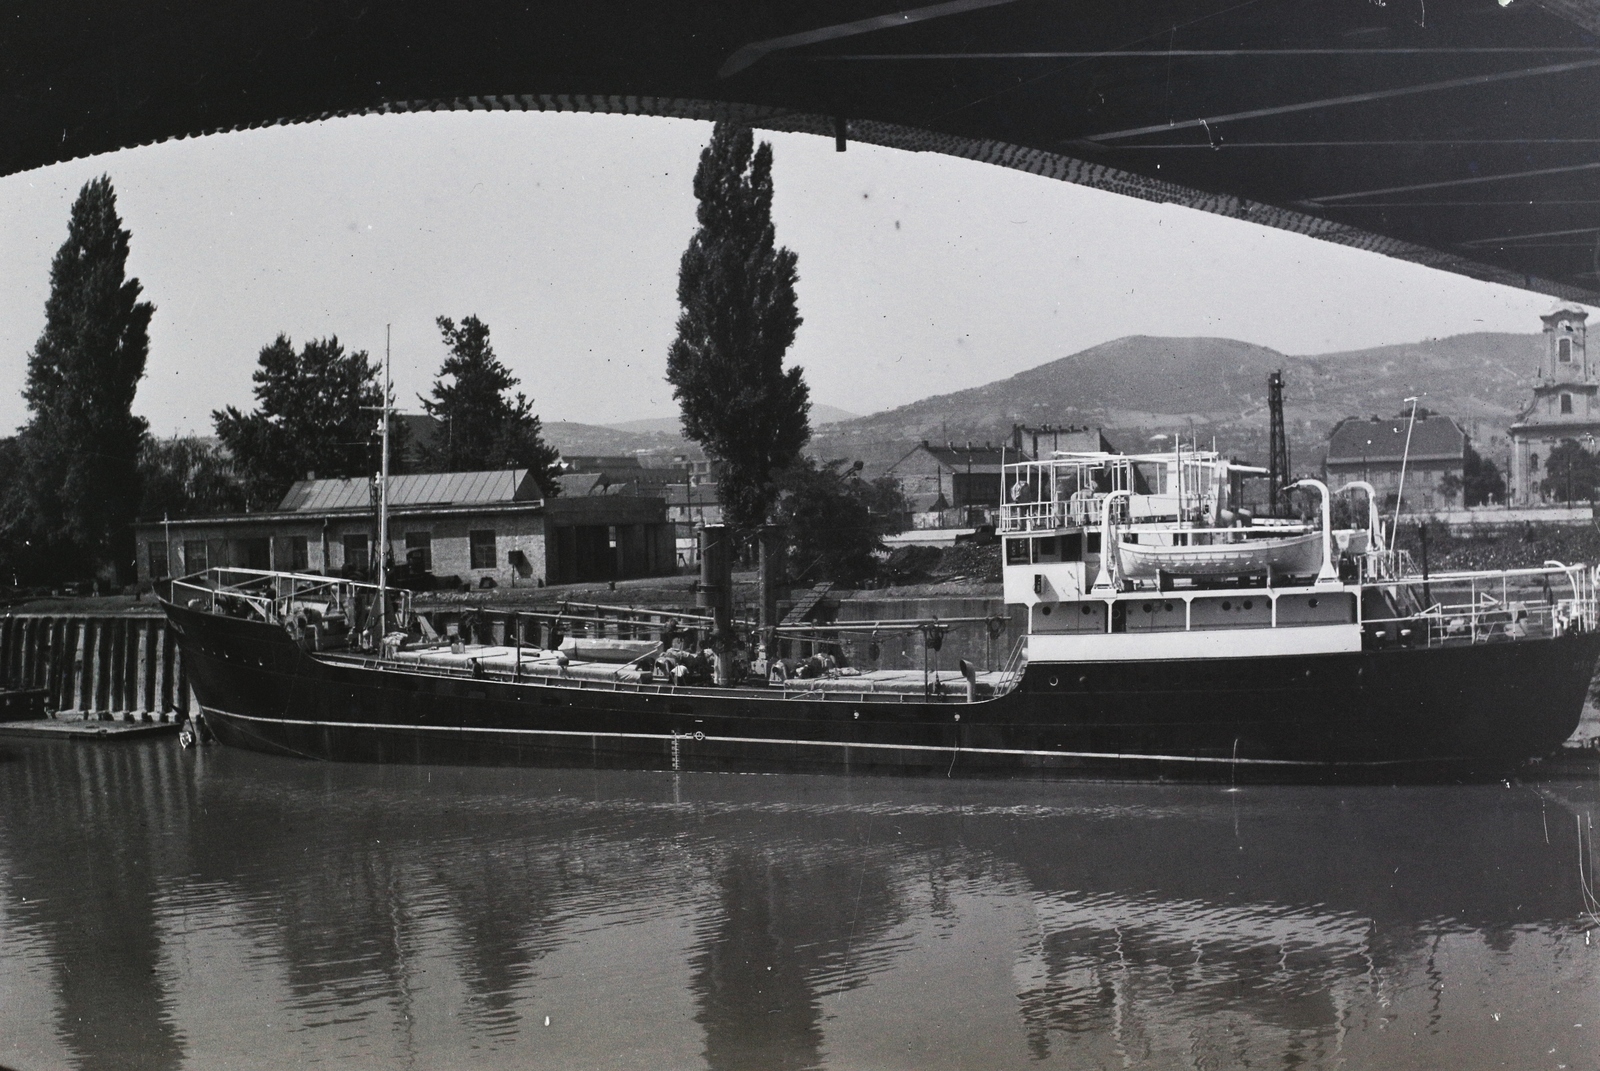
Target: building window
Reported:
point(1564, 350)
point(1533, 462)
point(194, 556)
point(419, 551)
point(299, 554)
point(156, 557)
point(355, 551)
point(1566, 403)
point(482, 544)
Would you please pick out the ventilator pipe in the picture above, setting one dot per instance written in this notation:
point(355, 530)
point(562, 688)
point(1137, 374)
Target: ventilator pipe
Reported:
point(1328, 574)
point(1373, 523)
point(1102, 582)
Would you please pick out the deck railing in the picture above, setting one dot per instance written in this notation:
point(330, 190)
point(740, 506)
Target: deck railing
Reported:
point(1467, 608)
point(294, 600)
point(1050, 514)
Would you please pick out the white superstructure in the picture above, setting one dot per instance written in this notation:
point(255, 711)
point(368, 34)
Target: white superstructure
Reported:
point(1152, 556)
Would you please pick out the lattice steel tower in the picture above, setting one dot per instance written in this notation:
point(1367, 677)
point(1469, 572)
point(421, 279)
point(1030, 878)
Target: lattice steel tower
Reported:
point(1278, 462)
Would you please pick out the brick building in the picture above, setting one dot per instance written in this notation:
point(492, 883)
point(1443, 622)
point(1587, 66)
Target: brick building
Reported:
point(470, 525)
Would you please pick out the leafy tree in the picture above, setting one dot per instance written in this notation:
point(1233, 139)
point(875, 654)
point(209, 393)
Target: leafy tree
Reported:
point(835, 521)
point(1574, 473)
point(483, 426)
point(78, 490)
point(187, 477)
point(1481, 482)
point(739, 317)
point(1450, 486)
point(314, 413)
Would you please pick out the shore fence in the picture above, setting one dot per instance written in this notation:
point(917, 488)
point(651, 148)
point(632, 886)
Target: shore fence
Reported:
point(118, 667)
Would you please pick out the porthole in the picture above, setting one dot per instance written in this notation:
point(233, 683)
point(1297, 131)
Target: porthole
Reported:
point(1167, 606)
point(1226, 605)
point(1311, 603)
point(1087, 610)
point(1045, 610)
point(1147, 607)
point(1054, 681)
point(1247, 604)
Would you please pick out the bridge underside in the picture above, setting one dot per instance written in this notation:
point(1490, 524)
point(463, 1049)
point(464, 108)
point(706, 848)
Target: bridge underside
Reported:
point(1460, 134)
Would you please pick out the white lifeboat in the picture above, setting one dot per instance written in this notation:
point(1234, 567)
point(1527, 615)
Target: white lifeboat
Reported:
point(1223, 552)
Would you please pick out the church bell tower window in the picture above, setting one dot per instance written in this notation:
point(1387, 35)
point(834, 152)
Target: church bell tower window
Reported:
point(1564, 351)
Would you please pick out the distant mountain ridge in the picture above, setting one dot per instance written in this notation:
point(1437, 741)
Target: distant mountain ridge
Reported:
point(1139, 386)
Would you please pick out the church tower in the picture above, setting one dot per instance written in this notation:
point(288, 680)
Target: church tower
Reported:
point(1566, 402)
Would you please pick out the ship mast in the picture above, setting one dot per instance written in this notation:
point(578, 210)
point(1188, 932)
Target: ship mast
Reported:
point(383, 502)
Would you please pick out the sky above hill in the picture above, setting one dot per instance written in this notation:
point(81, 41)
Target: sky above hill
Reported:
point(919, 274)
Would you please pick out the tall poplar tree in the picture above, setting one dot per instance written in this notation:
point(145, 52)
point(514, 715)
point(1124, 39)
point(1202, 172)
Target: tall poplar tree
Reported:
point(739, 317)
point(80, 448)
point(482, 425)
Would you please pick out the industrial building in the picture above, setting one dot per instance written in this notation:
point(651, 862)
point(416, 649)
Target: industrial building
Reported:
point(485, 529)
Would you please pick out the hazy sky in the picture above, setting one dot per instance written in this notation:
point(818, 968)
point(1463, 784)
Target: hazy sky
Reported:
point(919, 273)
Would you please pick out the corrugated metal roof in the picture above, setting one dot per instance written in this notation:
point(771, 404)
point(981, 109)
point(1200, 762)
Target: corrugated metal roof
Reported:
point(428, 488)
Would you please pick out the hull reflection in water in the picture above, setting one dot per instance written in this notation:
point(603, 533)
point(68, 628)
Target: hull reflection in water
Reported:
point(164, 910)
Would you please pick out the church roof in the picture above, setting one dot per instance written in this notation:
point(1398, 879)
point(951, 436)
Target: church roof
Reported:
point(1565, 310)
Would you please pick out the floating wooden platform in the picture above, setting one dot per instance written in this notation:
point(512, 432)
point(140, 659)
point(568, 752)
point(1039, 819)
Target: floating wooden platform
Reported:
point(76, 727)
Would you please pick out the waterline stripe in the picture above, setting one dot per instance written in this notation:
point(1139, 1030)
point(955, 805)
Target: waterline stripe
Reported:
point(937, 748)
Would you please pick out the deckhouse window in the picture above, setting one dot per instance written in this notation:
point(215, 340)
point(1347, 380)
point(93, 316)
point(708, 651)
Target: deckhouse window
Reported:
point(1016, 552)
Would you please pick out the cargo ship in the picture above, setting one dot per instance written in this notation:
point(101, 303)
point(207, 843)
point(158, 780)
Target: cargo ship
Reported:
point(1166, 632)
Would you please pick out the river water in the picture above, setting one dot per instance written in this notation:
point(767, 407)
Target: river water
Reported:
point(218, 909)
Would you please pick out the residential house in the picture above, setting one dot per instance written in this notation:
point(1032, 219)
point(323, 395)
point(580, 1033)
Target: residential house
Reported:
point(1375, 449)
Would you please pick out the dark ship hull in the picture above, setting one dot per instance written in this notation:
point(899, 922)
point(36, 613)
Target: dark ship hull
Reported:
point(1444, 713)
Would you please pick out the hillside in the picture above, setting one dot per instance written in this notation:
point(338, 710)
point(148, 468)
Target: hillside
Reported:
point(1139, 386)
point(573, 438)
point(820, 415)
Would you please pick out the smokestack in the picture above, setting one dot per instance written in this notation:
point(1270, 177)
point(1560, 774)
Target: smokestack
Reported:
point(716, 590)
